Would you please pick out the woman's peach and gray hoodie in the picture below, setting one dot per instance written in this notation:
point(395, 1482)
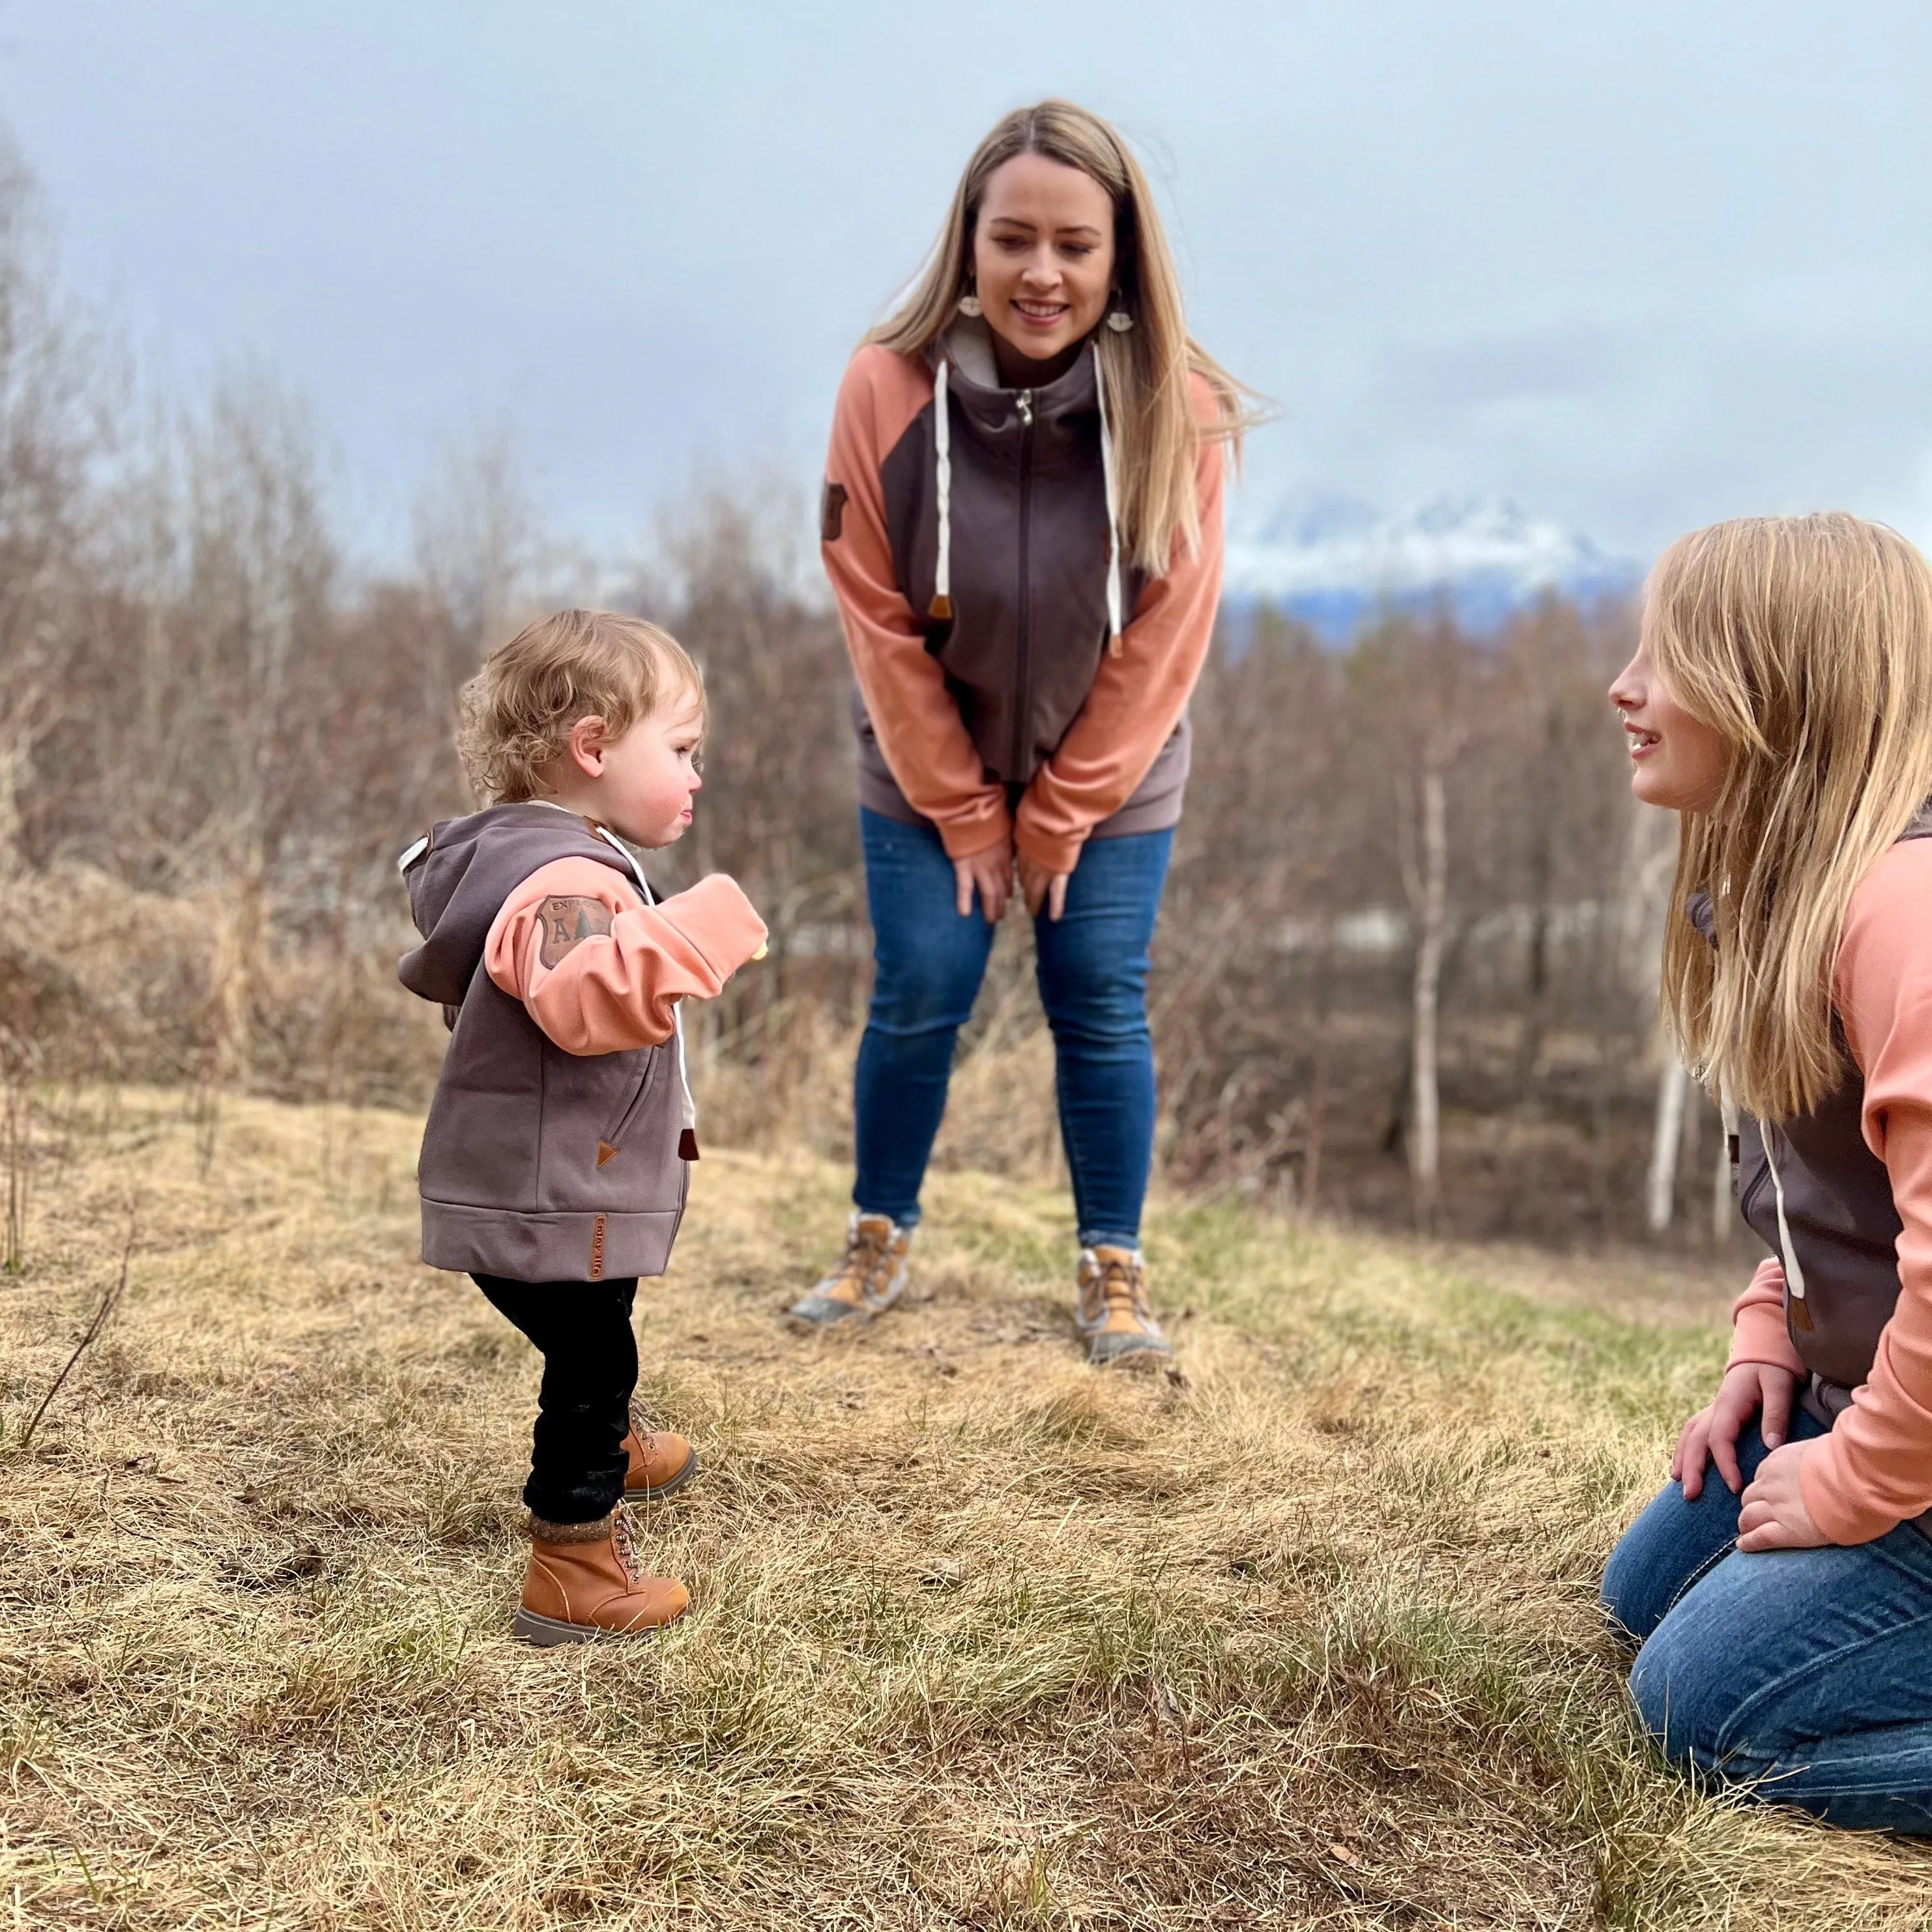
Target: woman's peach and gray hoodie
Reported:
point(1843, 1198)
point(558, 1144)
point(1017, 678)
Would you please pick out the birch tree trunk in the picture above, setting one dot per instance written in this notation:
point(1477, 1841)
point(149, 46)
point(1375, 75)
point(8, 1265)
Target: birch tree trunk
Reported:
point(1430, 896)
point(1659, 1194)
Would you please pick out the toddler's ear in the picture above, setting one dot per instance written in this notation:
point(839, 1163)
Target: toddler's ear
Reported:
point(589, 741)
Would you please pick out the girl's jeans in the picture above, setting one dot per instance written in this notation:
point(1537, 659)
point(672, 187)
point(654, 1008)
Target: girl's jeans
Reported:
point(583, 1331)
point(1804, 1673)
point(1092, 971)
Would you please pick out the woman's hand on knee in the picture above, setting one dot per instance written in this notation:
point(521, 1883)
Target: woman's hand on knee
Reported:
point(1042, 888)
point(990, 874)
point(1711, 1435)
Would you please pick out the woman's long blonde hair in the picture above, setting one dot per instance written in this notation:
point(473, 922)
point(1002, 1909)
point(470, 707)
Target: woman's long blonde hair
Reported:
point(1156, 437)
point(1806, 643)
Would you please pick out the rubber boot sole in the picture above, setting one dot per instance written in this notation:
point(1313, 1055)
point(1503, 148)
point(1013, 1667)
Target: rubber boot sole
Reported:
point(546, 1632)
point(816, 1316)
point(666, 1489)
point(1136, 1360)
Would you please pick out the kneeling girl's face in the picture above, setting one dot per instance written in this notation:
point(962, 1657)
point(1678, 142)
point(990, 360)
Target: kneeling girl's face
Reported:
point(1042, 259)
point(1677, 761)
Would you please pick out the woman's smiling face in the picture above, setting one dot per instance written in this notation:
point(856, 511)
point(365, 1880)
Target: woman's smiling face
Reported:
point(1043, 262)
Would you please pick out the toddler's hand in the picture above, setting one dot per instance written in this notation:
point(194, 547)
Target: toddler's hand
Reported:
point(1711, 1435)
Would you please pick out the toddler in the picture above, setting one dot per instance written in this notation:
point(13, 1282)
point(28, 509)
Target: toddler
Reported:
point(556, 1157)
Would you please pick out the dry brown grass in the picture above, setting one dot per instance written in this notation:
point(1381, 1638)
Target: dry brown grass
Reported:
point(979, 1640)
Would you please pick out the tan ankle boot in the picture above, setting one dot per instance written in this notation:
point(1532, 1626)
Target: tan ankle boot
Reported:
point(660, 1460)
point(1114, 1314)
point(584, 1581)
point(869, 1277)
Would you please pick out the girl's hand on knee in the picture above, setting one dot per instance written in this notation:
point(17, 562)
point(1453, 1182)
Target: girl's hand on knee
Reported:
point(1773, 1517)
point(1711, 1435)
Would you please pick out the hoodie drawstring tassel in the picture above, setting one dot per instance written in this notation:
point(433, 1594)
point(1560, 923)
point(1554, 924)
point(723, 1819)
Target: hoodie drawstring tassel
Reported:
point(1113, 511)
point(687, 1138)
point(941, 608)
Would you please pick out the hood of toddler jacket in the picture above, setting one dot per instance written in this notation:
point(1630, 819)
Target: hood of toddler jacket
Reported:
point(459, 876)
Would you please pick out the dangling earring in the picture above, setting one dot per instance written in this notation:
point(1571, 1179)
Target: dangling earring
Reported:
point(969, 304)
point(1119, 321)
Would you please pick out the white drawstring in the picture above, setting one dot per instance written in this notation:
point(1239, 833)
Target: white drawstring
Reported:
point(941, 606)
point(688, 1106)
point(1113, 511)
point(1794, 1275)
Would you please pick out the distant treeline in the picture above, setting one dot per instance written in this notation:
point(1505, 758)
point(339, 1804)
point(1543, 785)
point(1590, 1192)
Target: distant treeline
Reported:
point(1404, 967)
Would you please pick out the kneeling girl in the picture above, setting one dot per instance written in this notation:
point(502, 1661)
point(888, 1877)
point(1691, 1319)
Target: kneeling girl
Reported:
point(1781, 703)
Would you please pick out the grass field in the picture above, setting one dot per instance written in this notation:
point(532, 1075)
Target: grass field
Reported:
point(980, 1639)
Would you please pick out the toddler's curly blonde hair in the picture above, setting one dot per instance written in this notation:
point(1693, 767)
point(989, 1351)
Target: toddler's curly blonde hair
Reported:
point(517, 711)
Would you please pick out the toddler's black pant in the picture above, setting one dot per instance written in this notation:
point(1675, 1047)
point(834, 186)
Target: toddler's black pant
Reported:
point(583, 1331)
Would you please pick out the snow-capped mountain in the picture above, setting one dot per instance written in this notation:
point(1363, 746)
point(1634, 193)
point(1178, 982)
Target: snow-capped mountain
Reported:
point(1333, 563)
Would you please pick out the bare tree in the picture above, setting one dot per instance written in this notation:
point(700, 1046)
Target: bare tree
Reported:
point(1661, 1183)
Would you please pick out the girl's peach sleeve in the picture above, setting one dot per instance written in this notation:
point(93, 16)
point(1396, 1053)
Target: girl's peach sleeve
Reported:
point(599, 969)
point(1758, 1333)
point(925, 740)
point(1137, 698)
point(1874, 1469)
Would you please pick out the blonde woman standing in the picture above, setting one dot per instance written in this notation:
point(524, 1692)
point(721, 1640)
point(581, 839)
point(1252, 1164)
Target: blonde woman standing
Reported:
point(1022, 526)
point(1781, 703)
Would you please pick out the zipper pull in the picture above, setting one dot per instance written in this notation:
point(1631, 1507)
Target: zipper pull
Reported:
point(1026, 407)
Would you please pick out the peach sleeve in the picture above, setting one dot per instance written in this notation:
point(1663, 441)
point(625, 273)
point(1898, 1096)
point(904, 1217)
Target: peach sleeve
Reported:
point(599, 969)
point(1138, 697)
point(1874, 1470)
point(925, 740)
point(1758, 1333)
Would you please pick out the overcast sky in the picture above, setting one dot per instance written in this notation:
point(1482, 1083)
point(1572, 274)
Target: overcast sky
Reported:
point(1636, 266)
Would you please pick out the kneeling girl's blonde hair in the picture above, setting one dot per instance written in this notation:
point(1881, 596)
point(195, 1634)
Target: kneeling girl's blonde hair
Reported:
point(1806, 643)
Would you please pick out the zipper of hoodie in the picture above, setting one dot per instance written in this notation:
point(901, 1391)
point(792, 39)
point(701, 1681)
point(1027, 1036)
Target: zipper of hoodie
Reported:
point(1022, 701)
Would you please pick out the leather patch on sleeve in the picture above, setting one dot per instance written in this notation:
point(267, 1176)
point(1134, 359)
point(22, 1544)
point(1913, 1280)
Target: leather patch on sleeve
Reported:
point(568, 922)
point(831, 513)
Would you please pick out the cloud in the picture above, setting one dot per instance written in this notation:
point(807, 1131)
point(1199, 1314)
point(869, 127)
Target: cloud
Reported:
point(1632, 265)
point(1429, 379)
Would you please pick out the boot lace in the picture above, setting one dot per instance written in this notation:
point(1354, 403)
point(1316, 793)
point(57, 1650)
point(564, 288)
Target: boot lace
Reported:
point(867, 1262)
point(1118, 1286)
point(625, 1541)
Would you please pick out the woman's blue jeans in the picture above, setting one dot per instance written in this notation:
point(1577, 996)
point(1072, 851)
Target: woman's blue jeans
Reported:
point(1093, 973)
point(1806, 1674)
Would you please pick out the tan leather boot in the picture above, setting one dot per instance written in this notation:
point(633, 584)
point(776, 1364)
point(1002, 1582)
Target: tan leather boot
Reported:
point(585, 1581)
point(660, 1461)
point(869, 1277)
point(1114, 1314)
